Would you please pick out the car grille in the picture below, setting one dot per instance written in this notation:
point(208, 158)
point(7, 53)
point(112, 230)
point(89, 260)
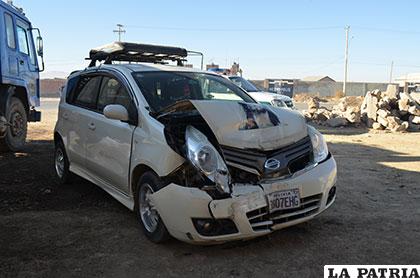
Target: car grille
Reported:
point(260, 219)
point(292, 158)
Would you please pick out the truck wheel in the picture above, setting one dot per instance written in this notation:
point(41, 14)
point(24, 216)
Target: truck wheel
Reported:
point(16, 130)
point(149, 218)
point(61, 164)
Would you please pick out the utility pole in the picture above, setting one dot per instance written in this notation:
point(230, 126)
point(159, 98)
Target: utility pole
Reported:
point(346, 59)
point(119, 31)
point(390, 73)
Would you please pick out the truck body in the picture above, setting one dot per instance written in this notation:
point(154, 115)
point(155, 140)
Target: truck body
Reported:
point(19, 75)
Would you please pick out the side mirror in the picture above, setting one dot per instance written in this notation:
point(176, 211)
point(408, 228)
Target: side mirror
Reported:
point(40, 46)
point(116, 112)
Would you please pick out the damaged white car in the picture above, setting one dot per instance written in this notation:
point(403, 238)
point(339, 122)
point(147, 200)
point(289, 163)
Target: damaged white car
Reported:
point(191, 165)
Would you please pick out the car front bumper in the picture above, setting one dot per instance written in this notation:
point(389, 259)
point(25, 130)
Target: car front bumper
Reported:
point(248, 207)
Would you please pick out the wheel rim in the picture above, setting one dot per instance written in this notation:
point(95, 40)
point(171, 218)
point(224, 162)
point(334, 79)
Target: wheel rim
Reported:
point(148, 214)
point(17, 124)
point(59, 162)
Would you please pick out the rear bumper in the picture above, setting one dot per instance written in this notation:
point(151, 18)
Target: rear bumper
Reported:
point(248, 207)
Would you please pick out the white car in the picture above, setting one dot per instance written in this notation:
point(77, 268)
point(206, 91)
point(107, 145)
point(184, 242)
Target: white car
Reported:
point(261, 96)
point(190, 165)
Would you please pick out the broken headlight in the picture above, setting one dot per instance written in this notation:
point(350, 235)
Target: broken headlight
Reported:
point(318, 144)
point(204, 156)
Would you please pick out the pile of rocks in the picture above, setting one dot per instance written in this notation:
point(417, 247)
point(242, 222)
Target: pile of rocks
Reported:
point(346, 112)
point(391, 110)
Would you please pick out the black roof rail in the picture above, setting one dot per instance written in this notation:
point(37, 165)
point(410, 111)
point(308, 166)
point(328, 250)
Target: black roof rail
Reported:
point(135, 52)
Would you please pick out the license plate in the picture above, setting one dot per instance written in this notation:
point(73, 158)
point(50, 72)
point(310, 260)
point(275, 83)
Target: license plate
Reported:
point(285, 199)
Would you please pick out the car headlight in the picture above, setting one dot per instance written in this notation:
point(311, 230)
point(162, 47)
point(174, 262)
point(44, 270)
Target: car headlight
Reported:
point(318, 144)
point(204, 156)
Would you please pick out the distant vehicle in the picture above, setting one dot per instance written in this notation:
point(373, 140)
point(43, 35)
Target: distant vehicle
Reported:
point(168, 143)
point(261, 96)
point(19, 78)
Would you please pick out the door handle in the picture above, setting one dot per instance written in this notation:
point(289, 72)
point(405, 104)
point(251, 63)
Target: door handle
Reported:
point(65, 116)
point(92, 126)
point(21, 62)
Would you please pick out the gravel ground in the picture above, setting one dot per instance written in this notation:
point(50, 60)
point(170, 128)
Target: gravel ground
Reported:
point(78, 230)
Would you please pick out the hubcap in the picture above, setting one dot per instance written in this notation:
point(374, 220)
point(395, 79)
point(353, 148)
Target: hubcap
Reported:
point(59, 162)
point(148, 214)
point(17, 124)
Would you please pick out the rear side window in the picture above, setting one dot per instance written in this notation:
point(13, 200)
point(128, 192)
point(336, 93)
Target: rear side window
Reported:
point(10, 34)
point(86, 92)
point(113, 92)
point(22, 40)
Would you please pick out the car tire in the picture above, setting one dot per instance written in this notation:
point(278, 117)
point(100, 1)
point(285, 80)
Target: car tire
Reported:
point(15, 136)
point(152, 224)
point(61, 164)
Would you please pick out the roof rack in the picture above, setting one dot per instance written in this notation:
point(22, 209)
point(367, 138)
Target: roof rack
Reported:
point(135, 52)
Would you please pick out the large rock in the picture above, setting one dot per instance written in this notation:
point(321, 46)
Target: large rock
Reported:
point(415, 120)
point(383, 113)
point(382, 121)
point(313, 105)
point(371, 106)
point(352, 114)
point(384, 103)
point(377, 93)
point(391, 91)
point(377, 126)
point(393, 122)
point(413, 110)
point(414, 123)
point(336, 122)
point(322, 115)
point(403, 105)
point(400, 127)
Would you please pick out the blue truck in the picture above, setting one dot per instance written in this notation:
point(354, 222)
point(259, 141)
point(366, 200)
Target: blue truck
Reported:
point(19, 75)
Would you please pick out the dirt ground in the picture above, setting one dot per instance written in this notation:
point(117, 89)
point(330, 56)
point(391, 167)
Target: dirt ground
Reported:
point(78, 230)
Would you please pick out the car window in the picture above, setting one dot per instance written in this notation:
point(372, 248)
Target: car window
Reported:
point(162, 89)
point(113, 92)
point(87, 91)
point(22, 40)
point(10, 34)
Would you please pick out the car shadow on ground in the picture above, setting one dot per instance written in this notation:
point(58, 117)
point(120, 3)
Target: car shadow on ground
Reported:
point(45, 227)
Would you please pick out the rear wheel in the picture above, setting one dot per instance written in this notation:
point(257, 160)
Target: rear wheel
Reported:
point(61, 164)
point(16, 126)
point(147, 215)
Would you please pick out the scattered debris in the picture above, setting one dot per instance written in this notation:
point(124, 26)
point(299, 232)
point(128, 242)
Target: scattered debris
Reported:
point(346, 112)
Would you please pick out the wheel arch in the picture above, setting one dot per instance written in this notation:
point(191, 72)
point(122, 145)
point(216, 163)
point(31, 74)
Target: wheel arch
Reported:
point(137, 172)
point(8, 91)
point(57, 137)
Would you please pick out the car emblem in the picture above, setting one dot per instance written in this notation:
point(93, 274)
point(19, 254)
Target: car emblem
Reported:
point(272, 164)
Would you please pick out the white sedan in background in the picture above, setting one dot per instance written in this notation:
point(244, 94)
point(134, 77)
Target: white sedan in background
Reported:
point(261, 96)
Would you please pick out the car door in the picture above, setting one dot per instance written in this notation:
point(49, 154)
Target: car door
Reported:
point(76, 116)
point(108, 146)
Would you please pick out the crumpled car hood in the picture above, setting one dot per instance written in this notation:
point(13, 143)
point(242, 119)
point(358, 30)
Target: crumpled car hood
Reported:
point(251, 125)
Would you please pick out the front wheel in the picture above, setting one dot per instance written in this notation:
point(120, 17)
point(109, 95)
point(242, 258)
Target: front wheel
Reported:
point(17, 126)
point(149, 218)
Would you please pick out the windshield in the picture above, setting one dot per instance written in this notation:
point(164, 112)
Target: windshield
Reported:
point(244, 84)
point(163, 88)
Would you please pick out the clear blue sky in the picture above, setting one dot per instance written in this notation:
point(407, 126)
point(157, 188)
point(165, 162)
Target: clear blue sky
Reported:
point(285, 39)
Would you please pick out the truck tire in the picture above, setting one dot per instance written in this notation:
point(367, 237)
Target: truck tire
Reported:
point(152, 224)
point(15, 136)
